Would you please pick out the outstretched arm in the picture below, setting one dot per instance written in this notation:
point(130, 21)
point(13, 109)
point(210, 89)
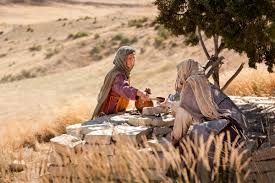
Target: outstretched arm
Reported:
point(123, 88)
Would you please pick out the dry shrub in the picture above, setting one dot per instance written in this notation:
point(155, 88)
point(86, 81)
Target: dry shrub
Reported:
point(129, 163)
point(253, 82)
point(22, 140)
point(28, 133)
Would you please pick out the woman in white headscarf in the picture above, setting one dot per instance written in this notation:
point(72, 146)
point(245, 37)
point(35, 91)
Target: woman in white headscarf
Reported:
point(201, 101)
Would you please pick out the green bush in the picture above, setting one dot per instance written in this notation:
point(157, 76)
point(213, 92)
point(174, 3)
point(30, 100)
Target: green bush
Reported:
point(77, 35)
point(124, 40)
point(137, 23)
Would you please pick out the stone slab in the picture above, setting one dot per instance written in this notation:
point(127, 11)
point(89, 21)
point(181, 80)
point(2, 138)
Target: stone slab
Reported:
point(101, 137)
point(265, 154)
point(80, 130)
point(90, 128)
point(66, 144)
point(132, 134)
point(120, 119)
point(161, 131)
point(151, 111)
point(74, 130)
point(151, 121)
point(100, 120)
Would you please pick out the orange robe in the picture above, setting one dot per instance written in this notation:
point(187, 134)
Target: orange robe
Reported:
point(119, 96)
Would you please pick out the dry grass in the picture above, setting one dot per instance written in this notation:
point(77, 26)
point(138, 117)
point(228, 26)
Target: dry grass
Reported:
point(253, 83)
point(17, 135)
point(155, 68)
point(26, 142)
point(131, 164)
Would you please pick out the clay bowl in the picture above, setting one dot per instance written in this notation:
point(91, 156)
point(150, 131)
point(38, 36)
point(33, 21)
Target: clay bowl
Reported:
point(140, 104)
point(160, 99)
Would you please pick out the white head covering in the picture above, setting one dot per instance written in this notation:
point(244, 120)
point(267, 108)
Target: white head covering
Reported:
point(191, 72)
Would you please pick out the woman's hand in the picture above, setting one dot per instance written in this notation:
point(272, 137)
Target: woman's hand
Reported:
point(143, 95)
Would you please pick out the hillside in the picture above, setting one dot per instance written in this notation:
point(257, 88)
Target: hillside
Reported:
point(52, 63)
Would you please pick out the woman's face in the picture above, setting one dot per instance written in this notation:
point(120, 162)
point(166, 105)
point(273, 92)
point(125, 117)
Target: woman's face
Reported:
point(178, 84)
point(130, 60)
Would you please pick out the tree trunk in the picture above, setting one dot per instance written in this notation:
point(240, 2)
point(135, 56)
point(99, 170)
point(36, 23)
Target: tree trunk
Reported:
point(233, 76)
point(216, 76)
point(202, 44)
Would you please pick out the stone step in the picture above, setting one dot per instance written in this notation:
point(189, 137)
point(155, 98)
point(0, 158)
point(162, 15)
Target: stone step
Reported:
point(117, 133)
point(101, 137)
point(152, 121)
point(80, 130)
point(131, 134)
point(66, 144)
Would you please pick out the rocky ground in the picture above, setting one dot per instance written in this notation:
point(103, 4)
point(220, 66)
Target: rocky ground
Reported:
point(106, 131)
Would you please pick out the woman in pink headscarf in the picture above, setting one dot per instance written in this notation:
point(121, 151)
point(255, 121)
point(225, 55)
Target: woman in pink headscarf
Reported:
point(200, 101)
point(116, 90)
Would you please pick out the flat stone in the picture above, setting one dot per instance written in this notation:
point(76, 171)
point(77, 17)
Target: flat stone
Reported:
point(238, 101)
point(90, 128)
point(79, 130)
point(232, 97)
point(120, 119)
point(265, 154)
point(151, 111)
point(124, 133)
point(65, 144)
point(251, 98)
point(74, 130)
point(151, 121)
point(161, 131)
point(100, 120)
point(101, 137)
